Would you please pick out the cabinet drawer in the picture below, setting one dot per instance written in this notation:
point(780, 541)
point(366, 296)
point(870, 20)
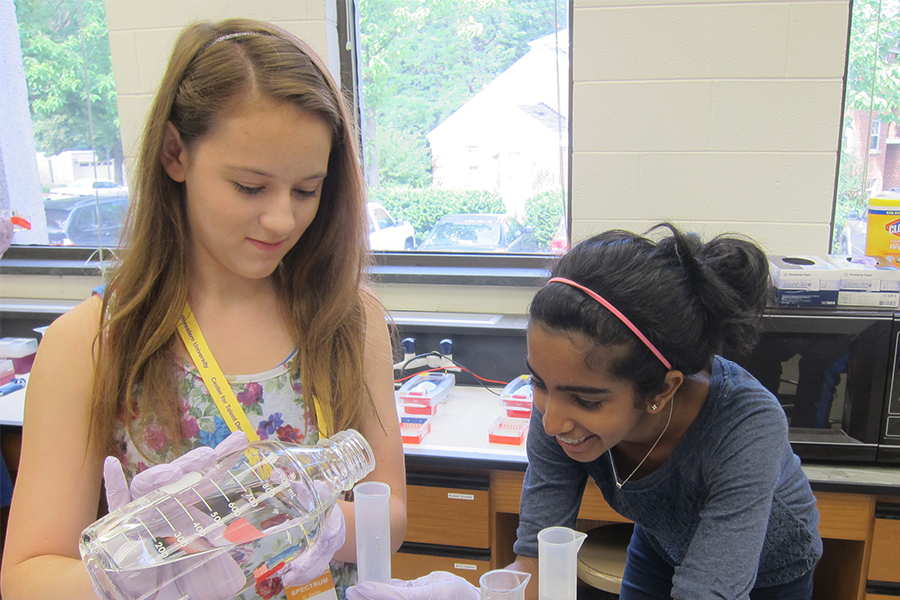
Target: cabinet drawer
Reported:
point(447, 516)
point(409, 565)
point(884, 561)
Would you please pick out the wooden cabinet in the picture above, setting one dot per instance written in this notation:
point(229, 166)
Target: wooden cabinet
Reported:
point(884, 559)
point(407, 564)
point(449, 516)
point(448, 526)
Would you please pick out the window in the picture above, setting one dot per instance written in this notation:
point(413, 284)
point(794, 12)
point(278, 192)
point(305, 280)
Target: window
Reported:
point(869, 154)
point(463, 108)
point(69, 103)
point(875, 135)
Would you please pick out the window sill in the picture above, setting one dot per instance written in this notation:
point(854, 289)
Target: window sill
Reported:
point(400, 267)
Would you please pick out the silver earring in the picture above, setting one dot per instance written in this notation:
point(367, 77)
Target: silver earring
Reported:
point(653, 407)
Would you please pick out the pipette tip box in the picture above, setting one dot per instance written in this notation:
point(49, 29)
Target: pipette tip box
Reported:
point(516, 398)
point(21, 351)
point(421, 394)
point(7, 371)
point(506, 430)
point(414, 429)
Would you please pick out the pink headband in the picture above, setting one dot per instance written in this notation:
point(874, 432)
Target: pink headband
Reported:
point(618, 314)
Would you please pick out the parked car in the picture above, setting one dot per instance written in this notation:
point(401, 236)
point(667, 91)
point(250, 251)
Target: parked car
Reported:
point(88, 222)
point(103, 188)
point(560, 241)
point(387, 234)
point(479, 233)
point(853, 236)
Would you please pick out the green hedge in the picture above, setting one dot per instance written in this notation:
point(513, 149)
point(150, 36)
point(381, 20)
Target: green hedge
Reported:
point(423, 207)
point(543, 212)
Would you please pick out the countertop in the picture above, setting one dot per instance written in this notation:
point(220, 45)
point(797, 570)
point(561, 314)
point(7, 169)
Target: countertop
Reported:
point(459, 437)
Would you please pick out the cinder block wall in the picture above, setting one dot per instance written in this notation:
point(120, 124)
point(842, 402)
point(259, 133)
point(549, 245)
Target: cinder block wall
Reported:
point(719, 115)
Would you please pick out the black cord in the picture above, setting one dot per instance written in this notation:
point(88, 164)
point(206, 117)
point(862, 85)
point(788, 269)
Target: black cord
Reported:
point(478, 378)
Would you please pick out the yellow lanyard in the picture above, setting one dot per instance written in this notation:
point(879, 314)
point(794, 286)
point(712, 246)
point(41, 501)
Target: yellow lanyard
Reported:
point(212, 375)
point(218, 385)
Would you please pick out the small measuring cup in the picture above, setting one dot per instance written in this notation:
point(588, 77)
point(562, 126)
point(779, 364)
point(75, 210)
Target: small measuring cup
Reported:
point(503, 584)
point(558, 562)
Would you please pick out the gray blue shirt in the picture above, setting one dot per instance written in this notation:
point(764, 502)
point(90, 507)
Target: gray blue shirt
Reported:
point(730, 509)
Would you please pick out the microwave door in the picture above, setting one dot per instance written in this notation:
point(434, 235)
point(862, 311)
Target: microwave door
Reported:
point(828, 375)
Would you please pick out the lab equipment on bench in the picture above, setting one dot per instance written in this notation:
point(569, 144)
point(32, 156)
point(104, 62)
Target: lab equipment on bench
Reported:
point(12, 386)
point(235, 523)
point(558, 563)
point(516, 398)
point(21, 351)
point(508, 431)
point(372, 509)
point(503, 584)
point(414, 429)
point(421, 394)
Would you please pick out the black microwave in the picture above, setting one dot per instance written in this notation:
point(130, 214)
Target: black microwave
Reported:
point(836, 374)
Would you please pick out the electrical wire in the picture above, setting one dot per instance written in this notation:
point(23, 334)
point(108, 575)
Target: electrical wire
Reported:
point(483, 381)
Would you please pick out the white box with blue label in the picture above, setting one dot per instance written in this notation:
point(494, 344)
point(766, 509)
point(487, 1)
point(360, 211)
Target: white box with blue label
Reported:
point(866, 273)
point(807, 272)
point(804, 281)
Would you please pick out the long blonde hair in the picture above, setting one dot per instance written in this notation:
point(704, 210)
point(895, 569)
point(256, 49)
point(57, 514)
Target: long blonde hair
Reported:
point(320, 280)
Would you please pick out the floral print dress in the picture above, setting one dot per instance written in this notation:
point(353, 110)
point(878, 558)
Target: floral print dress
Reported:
point(274, 404)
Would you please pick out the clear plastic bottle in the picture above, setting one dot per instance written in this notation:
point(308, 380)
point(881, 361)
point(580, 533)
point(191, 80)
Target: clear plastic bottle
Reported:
point(223, 530)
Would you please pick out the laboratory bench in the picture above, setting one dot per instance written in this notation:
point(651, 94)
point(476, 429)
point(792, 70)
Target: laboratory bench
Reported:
point(463, 503)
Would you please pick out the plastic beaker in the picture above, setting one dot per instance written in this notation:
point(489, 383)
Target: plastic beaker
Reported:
point(503, 584)
point(558, 563)
point(372, 506)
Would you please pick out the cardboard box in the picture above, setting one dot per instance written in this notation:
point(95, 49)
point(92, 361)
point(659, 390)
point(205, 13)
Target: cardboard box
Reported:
point(806, 297)
point(869, 299)
point(806, 273)
point(866, 273)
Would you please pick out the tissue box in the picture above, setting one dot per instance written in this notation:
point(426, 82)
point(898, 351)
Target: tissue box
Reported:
point(808, 273)
point(804, 281)
point(866, 273)
point(21, 351)
point(871, 299)
point(806, 297)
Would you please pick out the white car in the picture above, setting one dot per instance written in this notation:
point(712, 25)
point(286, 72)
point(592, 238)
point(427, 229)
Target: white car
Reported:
point(852, 240)
point(103, 188)
point(386, 234)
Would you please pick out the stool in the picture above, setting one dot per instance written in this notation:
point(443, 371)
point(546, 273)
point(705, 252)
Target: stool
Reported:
point(601, 560)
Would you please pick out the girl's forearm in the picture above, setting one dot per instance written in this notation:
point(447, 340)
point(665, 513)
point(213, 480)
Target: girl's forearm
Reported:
point(47, 578)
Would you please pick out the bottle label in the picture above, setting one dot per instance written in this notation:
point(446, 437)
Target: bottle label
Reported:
point(320, 588)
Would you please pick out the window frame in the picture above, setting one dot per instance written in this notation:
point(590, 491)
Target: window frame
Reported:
point(526, 270)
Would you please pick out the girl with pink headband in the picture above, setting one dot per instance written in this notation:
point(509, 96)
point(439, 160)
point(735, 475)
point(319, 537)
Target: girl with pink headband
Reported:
point(630, 390)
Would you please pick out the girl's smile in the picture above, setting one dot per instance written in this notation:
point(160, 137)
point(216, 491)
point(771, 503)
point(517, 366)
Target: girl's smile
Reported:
point(253, 186)
point(584, 408)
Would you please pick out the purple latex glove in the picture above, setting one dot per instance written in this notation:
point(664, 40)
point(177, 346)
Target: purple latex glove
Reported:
point(439, 585)
point(312, 563)
point(118, 493)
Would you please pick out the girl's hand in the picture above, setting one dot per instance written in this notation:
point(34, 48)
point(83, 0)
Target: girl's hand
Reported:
point(118, 493)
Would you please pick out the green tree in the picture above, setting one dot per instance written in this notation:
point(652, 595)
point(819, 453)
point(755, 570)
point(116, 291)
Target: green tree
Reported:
point(873, 87)
point(873, 70)
point(421, 60)
point(71, 91)
point(543, 212)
